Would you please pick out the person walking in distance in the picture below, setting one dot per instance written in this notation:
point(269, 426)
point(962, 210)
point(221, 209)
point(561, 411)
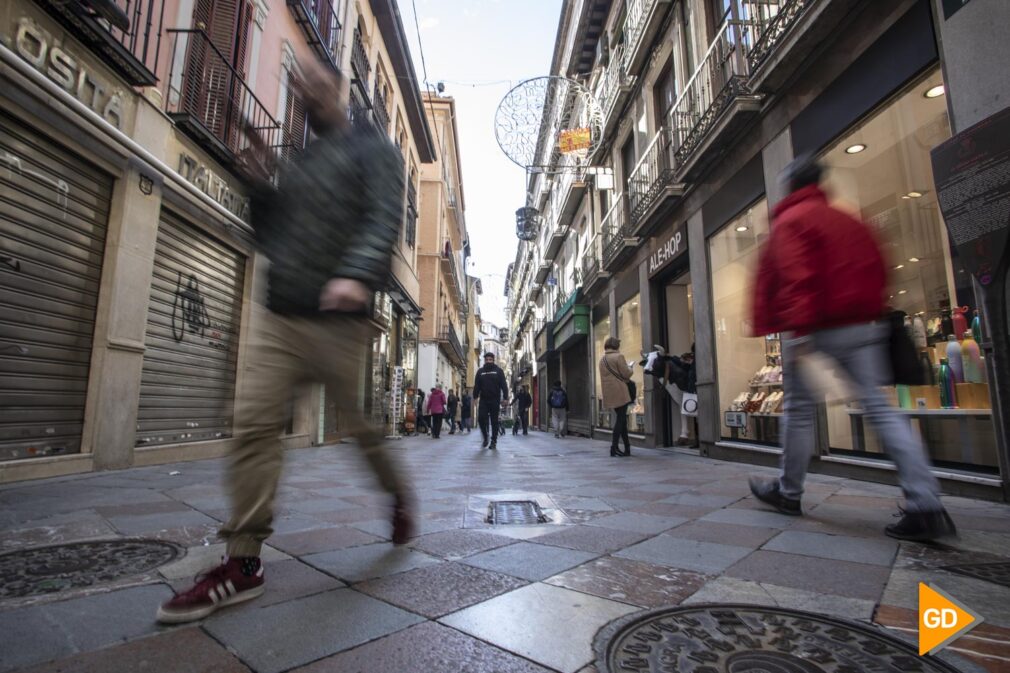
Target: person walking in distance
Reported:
point(558, 402)
point(821, 282)
point(451, 405)
point(466, 412)
point(686, 383)
point(524, 402)
point(436, 406)
point(422, 425)
point(491, 391)
point(328, 229)
point(615, 377)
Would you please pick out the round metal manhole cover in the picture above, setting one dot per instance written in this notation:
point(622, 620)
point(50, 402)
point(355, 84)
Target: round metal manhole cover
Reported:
point(46, 570)
point(752, 639)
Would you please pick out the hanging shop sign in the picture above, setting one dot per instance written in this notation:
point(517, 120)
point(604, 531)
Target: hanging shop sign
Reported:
point(201, 176)
point(669, 248)
point(972, 176)
point(574, 140)
point(49, 56)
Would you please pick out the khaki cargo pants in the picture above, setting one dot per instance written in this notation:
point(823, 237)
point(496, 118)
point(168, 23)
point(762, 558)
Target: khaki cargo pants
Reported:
point(287, 352)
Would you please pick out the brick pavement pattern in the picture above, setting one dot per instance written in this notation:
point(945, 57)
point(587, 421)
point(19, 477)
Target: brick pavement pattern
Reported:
point(658, 528)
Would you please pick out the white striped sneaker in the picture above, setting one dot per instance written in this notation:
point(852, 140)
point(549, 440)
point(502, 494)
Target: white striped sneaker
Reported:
point(224, 585)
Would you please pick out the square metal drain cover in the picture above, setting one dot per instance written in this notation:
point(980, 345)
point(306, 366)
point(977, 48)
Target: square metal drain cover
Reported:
point(997, 573)
point(514, 512)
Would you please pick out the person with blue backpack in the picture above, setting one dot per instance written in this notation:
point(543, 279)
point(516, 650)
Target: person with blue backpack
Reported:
point(558, 402)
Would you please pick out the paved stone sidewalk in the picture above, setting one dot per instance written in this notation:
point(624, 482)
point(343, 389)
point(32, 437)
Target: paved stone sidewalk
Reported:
point(658, 528)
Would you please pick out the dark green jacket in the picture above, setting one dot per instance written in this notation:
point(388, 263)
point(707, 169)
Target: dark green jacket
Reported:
point(336, 213)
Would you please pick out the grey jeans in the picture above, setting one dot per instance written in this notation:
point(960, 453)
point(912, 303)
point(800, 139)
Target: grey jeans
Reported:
point(861, 351)
point(559, 419)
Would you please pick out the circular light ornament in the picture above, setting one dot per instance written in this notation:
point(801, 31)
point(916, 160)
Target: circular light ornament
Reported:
point(742, 228)
point(935, 91)
point(855, 149)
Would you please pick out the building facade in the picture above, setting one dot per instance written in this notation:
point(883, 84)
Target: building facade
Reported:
point(704, 102)
point(131, 283)
point(443, 250)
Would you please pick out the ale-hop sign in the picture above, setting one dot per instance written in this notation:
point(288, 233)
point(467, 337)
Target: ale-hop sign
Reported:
point(573, 140)
point(669, 248)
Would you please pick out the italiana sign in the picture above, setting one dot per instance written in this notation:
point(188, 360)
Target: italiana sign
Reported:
point(669, 248)
point(203, 178)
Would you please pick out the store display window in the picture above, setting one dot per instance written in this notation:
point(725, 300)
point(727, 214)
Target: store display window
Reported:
point(881, 172)
point(602, 417)
point(749, 369)
point(629, 331)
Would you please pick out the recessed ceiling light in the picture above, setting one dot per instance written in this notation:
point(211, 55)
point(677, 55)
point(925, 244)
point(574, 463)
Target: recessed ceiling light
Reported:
point(914, 195)
point(902, 291)
point(741, 228)
point(900, 266)
point(934, 91)
point(855, 149)
point(913, 259)
point(907, 197)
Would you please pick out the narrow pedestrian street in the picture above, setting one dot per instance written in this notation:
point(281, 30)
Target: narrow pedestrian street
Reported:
point(657, 529)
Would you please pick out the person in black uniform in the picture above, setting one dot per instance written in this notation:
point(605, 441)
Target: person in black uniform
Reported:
point(491, 391)
point(525, 401)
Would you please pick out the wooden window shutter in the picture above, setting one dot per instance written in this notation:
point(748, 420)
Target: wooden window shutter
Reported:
point(294, 125)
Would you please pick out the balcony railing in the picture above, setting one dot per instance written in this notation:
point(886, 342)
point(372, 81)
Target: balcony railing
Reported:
point(359, 61)
point(639, 14)
point(614, 229)
point(209, 99)
point(380, 111)
point(651, 176)
point(765, 23)
point(447, 334)
point(357, 109)
point(615, 80)
point(127, 33)
point(449, 260)
point(318, 19)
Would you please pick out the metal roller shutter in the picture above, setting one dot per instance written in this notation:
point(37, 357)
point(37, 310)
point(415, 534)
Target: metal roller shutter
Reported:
point(187, 387)
point(54, 209)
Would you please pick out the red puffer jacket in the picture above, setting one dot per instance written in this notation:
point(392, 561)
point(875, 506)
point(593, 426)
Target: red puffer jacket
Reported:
point(821, 268)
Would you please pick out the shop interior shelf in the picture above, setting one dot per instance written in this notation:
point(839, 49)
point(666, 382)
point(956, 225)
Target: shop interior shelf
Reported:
point(771, 414)
point(766, 385)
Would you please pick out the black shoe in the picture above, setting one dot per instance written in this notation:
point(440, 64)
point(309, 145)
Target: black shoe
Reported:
point(614, 451)
point(525, 433)
point(768, 492)
point(494, 446)
point(922, 526)
point(627, 452)
point(483, 444)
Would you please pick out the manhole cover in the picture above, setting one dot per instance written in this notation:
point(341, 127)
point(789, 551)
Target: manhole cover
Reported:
point(44, 570)
point(997, 573)
point(751, 639)
point(514, 512)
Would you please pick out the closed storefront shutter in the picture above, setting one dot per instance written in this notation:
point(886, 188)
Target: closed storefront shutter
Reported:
point(54, 210)
point(577, 382)
point(188, 382)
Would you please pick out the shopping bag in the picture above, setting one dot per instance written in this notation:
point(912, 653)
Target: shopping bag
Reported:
point(689, 404)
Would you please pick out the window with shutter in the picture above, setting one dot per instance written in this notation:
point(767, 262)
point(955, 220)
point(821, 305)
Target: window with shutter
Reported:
point(294, 125)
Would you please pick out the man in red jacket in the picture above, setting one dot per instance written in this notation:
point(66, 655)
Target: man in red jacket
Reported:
point(821, 282)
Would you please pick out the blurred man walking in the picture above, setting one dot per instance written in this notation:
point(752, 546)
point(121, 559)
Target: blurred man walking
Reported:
point(491, 391)
point(328, 228)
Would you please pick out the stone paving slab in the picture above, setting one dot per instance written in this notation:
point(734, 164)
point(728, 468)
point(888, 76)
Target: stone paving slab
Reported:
point(592, 538)
point(724, 533)
point(732, 590)
point(704, 557)
point(187, 650)
point(628, 581)
point(56, 630)
point(529, 561)
point(375, 560)
point(279, 637)
point(840, 578)
point(427, 647)
point(456, 544)
point(550, 625)
point(879, 552)
point(434, 591)
point(641, 523)
point(321, 539)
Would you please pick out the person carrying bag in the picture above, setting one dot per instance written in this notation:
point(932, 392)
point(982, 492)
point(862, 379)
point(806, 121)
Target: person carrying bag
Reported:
point(619, 391)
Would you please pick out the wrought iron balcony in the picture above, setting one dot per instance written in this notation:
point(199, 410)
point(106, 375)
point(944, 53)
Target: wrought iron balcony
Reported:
point(359, 62)
point(449, 265)
point(651, 184)
point(380, 110)
point(618, 242)
point(765, 24)
point(614, 85)
point(210, 101)
point(318, 19)
point(641, 22)
point(447, 335)
point(126, 33)
point(357, 109)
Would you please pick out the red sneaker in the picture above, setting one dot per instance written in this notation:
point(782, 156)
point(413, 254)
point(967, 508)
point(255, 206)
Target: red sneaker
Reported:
point(224, 585)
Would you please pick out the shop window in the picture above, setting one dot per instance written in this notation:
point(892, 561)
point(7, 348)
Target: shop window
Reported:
point(601, 331)
point(629, 331)
point(750, 370)
point(881, 172)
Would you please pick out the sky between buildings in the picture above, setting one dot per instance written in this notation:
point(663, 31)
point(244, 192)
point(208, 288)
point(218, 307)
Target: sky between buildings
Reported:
point(480, 49)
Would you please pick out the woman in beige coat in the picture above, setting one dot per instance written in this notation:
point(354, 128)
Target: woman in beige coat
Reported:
point(614, 376)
